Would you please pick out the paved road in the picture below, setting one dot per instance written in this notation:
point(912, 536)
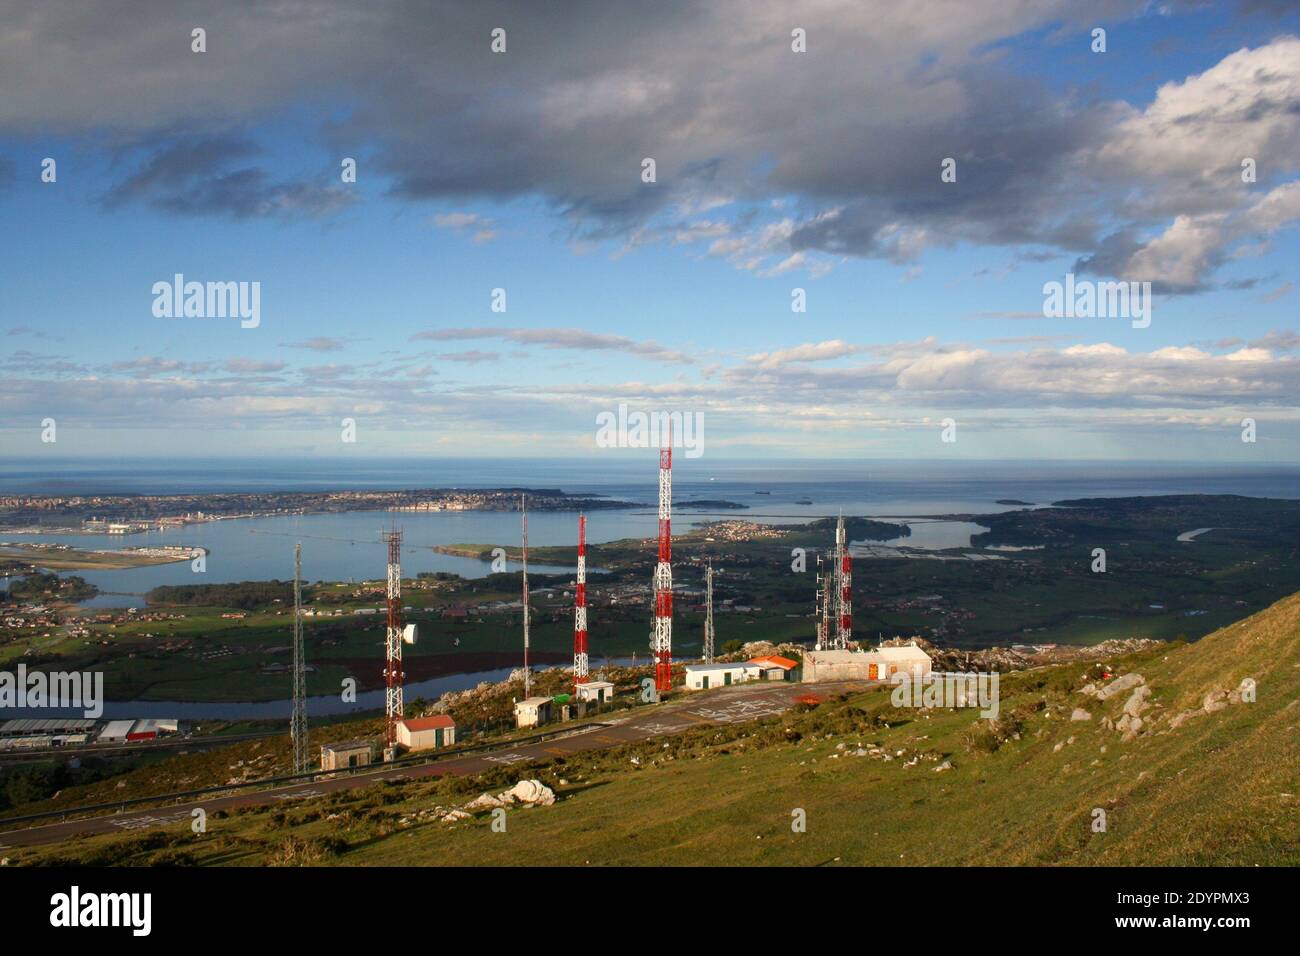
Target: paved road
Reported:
point(721, 706)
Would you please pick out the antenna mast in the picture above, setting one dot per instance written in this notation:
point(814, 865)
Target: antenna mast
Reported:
point(843, 587)
point(528, 682)
point(708, 614)
point(393, 644)
point(580, 608)
point(298, 722)
point(663, 635)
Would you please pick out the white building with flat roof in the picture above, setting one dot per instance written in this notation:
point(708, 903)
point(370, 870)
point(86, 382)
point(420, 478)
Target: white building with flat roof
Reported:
point(597, 691)
point(877, 665)
point(704, 676)
point(533, 711)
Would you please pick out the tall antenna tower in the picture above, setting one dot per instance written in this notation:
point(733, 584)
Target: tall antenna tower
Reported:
point(844, 587)
point(528, 677)
point(580, 608)
point(708, 614)
point(298, 722)
point(393, 645)
point(825, 597)
point(663, 634)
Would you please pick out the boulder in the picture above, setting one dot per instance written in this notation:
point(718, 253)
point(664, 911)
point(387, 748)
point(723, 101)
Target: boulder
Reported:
point(531, 793)
point(1119, 685)
point(1215, 700)
point(1137, 701)
point(1080, 714)
point(483, 802)
point(1245, 691)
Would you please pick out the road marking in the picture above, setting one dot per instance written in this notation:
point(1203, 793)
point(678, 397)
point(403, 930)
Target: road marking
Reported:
point(298, 795)
point(507, 759)
point(656, 729)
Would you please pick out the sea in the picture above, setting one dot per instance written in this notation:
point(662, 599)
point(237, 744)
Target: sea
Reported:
point(349, 546)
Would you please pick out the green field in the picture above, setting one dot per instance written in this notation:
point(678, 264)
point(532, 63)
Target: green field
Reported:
point(1217, 788)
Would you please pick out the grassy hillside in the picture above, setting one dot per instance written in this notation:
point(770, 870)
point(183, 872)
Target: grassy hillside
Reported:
point(1216, 788)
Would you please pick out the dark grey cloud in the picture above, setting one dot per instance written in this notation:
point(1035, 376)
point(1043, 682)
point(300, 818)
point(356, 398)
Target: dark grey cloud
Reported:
point(212, 176)
point(815, 156)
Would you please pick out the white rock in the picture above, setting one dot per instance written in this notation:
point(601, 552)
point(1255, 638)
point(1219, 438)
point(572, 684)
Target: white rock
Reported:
point(484, 802)
point(530, 792)
point(1120, 684)
point(1137, 701)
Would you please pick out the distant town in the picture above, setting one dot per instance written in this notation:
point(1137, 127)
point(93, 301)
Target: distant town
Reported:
point(131, 514)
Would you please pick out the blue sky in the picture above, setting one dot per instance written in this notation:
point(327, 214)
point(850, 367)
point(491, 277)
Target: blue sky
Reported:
point(776, 171)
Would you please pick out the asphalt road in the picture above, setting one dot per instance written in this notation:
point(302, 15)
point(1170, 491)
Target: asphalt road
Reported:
point(727, 705)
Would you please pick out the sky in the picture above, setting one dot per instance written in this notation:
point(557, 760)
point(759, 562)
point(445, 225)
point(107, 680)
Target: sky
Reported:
point(779, 173)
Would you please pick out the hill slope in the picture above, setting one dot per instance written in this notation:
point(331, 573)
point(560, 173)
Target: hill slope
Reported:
point(1193, 785)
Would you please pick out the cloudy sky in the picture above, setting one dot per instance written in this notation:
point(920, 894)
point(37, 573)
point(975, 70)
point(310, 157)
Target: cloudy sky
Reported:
point(775, 171)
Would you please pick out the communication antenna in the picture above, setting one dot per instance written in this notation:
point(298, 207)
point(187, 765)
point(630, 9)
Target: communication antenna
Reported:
point(708, 614)
point(298, 722)
point(528, 682)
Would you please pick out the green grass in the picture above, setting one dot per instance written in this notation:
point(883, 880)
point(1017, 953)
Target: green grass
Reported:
point(1218, 790)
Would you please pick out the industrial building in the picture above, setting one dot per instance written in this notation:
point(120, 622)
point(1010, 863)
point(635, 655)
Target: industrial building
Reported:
point(426, 733)
point(597, 691)
point(704, 676)
point(27, 727)
point(347, 753)
point(877, 665)
point(533, 711)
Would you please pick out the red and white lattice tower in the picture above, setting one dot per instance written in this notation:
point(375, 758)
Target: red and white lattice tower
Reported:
point(528, 674)
point(580, 608)
point(844, 587)
point(663, 636)
point(393, 643)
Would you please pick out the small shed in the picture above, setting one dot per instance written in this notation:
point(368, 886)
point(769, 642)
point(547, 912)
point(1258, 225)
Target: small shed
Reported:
point(704, 676)
point(426, 733)
point(773, 667)
point(597, 691)
point(345, 754)
point(533, 711)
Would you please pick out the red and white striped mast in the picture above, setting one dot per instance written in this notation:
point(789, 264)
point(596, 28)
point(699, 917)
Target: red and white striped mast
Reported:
point(393, 642)
point(528, 675)
point(580, 609)
point(844, 572)
point(663, 636)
